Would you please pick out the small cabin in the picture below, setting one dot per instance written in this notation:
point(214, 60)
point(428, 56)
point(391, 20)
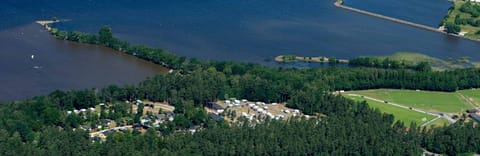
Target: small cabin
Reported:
point(139, 127)
point(472, 111)
point(216, 107)
point(475, 117)
point(170, 116)
point(160, 117)
point(86, 128)
point(106, 121)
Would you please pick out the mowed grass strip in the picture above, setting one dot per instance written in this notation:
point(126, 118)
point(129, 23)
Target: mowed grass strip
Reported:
point(472, 94)
point(426, 100)
point(402, 114)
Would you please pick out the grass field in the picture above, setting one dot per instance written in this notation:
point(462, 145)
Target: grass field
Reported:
point(426, 100)
point(473, 95)
point(436, 63)
point(404, 115)
point(439, 123)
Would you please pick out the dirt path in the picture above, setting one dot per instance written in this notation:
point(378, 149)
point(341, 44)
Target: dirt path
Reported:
point(468, 100)
point(431, 121)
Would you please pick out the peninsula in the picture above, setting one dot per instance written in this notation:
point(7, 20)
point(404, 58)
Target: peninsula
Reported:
point(463, 19)
point(46, 23)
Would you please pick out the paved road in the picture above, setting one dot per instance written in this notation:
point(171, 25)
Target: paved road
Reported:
point(438, 114)
point(425, 152)
point(450, 120)
point(431, 121)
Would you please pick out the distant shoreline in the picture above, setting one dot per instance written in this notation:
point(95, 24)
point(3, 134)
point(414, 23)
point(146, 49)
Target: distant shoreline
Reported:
point(316, 59)
point(339, 3)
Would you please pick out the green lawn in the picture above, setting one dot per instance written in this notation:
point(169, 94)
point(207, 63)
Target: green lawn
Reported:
point(439, 123)
point(426, 100)
point(404, 115)
point(472, 94)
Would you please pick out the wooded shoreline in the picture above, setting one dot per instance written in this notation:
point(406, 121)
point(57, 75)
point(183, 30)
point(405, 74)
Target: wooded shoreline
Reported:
point(45, 126)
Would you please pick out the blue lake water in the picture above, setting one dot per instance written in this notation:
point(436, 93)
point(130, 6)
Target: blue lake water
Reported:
point(246, 30)
point(254, 31)
point(427, 12)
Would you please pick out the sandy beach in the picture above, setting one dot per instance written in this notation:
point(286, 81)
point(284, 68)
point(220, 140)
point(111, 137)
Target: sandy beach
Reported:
point(46, 23)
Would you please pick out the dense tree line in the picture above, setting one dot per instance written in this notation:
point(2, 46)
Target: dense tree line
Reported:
point(105, 38)
point(452, 28)
point(471, 8)
point(344, 127)
point(281, 85)
point(460, 137)
point(466, 21)
point(336, 78)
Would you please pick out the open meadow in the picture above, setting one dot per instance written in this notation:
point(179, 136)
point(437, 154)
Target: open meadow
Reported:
point(473, 95)
point(402, 114)
point(426, 100)
point(439, 123)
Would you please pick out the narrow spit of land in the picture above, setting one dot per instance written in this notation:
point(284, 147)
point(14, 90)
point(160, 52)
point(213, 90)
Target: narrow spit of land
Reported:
point(316, 59)
point(46, 23)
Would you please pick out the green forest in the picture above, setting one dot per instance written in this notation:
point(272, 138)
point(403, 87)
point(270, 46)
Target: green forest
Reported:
point(40, 125)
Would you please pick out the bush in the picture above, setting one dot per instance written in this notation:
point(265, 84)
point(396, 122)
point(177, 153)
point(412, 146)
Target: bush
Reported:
point(452, 28)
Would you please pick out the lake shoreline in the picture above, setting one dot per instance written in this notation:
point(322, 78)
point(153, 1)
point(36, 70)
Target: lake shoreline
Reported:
point(46, 25)
point(339, 4)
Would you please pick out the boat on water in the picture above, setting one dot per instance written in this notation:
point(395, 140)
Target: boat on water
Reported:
point(37, 67)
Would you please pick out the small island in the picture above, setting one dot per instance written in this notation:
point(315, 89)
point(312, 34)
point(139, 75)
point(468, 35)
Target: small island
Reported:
point(317, 59)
